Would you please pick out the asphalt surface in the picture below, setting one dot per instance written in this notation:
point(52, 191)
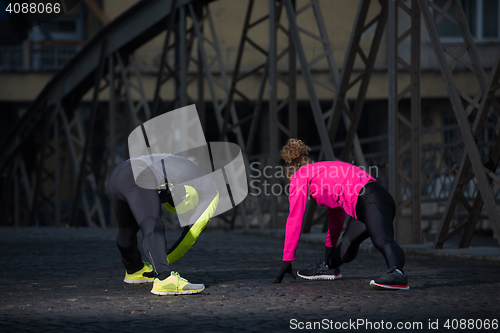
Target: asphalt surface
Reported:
point(71, 280)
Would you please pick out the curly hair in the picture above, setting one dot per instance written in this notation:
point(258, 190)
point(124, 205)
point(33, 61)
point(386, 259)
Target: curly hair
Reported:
point(295, 152)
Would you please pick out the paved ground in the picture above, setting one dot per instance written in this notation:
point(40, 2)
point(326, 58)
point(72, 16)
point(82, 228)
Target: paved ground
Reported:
point(56, 279)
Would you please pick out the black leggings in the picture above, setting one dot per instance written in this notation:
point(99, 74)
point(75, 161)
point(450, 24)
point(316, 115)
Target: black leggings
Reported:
point(375, 210)
point(138, 208)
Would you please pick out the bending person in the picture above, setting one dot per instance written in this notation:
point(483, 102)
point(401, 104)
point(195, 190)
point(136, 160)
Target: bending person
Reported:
point(136, 198)
point(343, 188)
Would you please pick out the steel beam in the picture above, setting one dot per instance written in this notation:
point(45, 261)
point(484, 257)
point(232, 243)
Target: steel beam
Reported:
point(180, 58)
point(40, 166)
point(346, 82)
point(163, 58)
point(306, 73)
point(261, 70)
point(80, 186)
point(407, 228)
point(274, 11)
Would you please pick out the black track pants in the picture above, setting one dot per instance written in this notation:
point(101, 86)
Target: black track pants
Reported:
point(138, 208)
point(375, 210)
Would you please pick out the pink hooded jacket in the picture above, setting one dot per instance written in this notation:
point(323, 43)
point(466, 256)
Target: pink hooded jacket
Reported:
point(333, 184)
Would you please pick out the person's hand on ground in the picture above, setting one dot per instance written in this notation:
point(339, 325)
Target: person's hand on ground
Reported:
point(285, 268)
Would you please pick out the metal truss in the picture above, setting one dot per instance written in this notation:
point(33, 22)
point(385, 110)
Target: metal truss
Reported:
point(267, 70)
point(77, 151)
point(254, 101)
point(404, 130)
point(249, 209)
point(348, 82)
point(193, 46)
point(62, 178)
point(176, 67)
point(471, 166)
point(284, 107)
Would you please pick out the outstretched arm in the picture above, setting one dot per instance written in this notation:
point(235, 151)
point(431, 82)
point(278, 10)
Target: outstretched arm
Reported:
point(297, 200)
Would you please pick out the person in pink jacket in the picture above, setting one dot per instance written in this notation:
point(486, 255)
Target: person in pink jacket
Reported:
point(342, 188)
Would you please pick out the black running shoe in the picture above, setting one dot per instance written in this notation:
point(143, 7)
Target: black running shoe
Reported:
point(320, 272)
point(392, 279)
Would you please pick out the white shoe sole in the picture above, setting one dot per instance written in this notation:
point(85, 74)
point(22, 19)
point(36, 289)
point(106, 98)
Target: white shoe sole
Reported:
point(321, 277)
point(138, 281)
point(171, 293)
point(375, 285)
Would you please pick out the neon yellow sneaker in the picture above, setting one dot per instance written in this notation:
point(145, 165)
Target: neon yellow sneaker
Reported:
point(146, 274)
point(175, 285)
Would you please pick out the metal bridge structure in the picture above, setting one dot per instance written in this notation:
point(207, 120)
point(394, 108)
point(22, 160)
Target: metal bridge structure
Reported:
point(55, 162)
